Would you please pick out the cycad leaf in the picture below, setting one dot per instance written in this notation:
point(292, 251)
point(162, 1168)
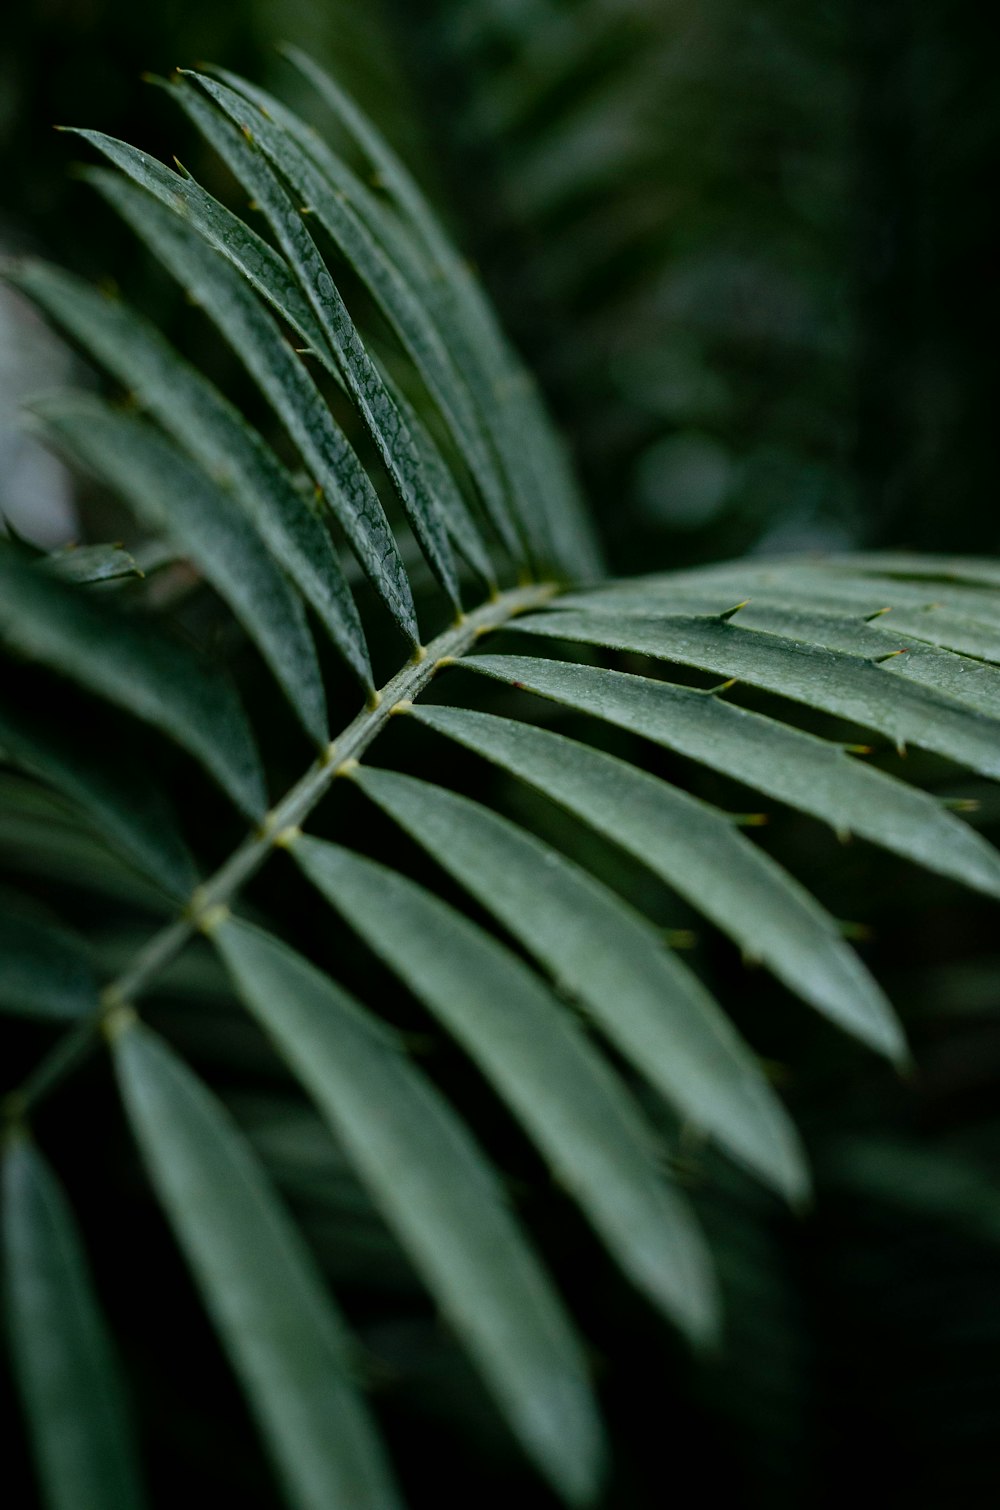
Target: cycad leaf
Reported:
point(461, 526)
point(880, 638)
point(846, 685)
point(172, 495)
point(214, 283)
point(435, 1189)
point(132, 664)
point(420, 248)
point(63, 1362)
point(832, 584)
point(966, 620)
point(216, 436)
point(809, 773)
point(407, 258)
point(44, 971)
point(531, 1049)
point(650, 1005)
point(401, 305)
point(257, 1280)
point(356, 369)
point(120, 801)
point(548, 506)
point(268, 272)
point(699, 852)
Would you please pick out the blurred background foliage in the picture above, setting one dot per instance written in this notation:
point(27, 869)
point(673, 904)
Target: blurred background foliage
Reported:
point(748, 250)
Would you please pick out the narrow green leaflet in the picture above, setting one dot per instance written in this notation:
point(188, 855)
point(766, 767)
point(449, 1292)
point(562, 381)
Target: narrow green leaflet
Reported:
point(547, 502)
point(44, 971)
point(646, 1001)
point(879, 638)
point(698, 851)
point(379, 216)
point(172, 495)
point(222, 291)
point(950, 631)
point(358, 372)
point(118, 799)
point(259, 262)
point(258, 1281)
point(977, 599)
point(824, 589)
point(90, 564)
point(403, 308)
point(808, 773)
point(215, 435)
point(63, 1363)
point(439, 1195)
point(457, 515)
point(133, 664)
point(848, 685)
point(561, 1090)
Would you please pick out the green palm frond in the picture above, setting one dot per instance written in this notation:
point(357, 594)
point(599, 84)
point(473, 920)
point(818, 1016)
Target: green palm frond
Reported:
point(388, 420)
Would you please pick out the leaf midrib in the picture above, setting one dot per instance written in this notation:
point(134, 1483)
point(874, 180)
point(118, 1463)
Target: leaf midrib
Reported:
point(214, 896)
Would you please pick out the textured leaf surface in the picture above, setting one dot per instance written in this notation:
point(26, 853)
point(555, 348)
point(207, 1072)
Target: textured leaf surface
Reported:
point(438, 1193)
point(531, 1050)
point(257, 260)
point(132, 664)
point(227, 298)
point(258, 1282)
point(461, 527)
point(880, 638)
point(174, 496)
point(400, 303)
point(408, 259)
point(812, 774)
point(848, 685)
point(644, 999)
point(548, 506)
point(700, 853)
point(961, 620)
point(63, 1362)
point(355, 366)
point(214, 433)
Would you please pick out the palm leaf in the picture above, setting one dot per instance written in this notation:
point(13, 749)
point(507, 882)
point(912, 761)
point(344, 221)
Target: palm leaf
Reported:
point(213, 432)
point(198, 516)
point(435, 1188)
point(448, 426)
point(267, 1302)
point(568, 1100)
point(219, 289)
point(815, 775)
point(353, 363)
point(699, 851)
point(612, 961)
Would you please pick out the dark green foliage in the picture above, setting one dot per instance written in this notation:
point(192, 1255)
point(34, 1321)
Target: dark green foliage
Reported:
point(505, 1091)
